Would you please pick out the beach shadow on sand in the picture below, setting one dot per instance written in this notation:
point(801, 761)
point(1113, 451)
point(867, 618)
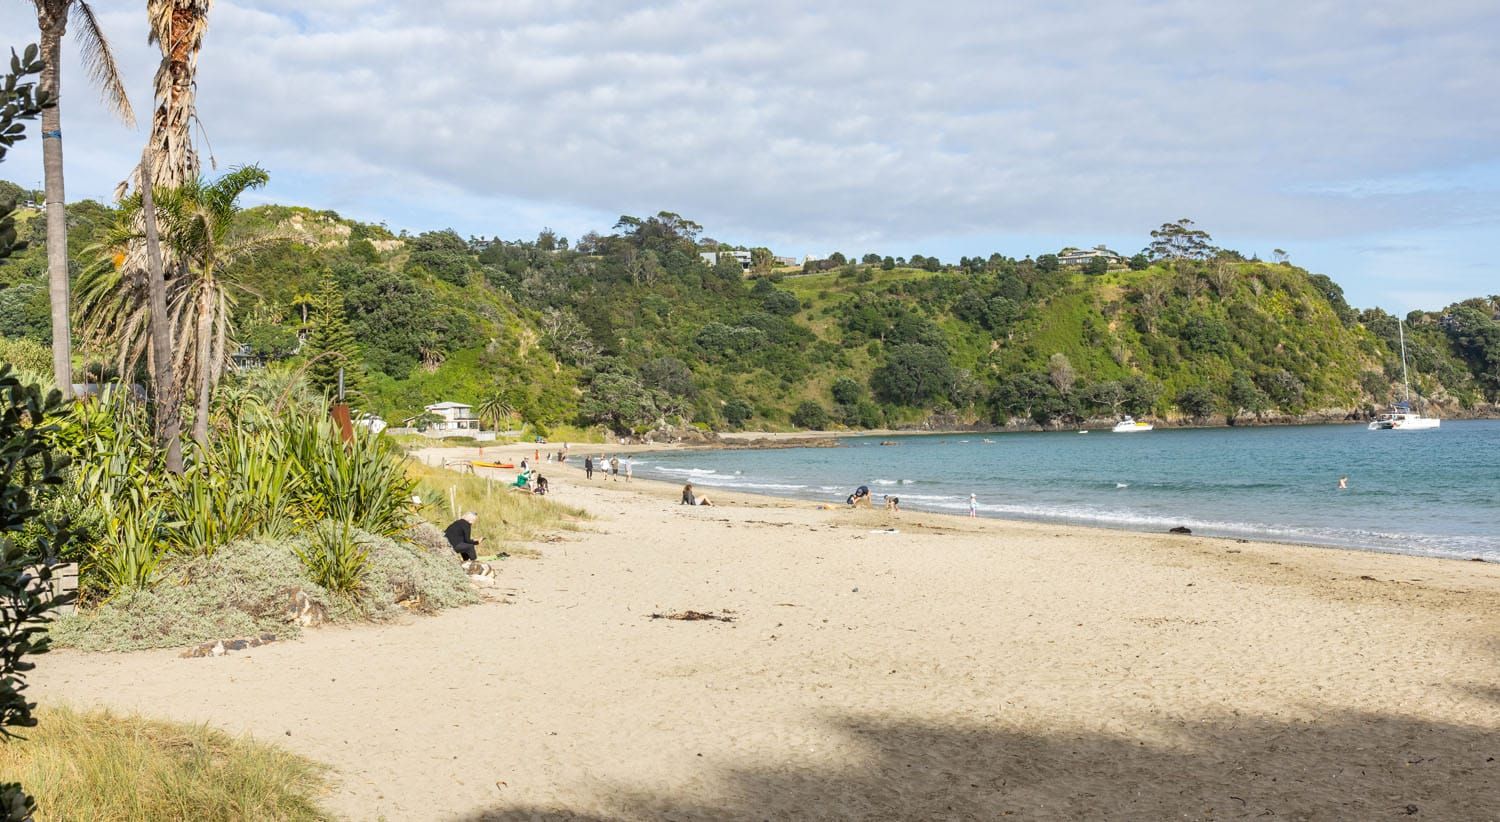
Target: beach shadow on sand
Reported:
point(1343, 766)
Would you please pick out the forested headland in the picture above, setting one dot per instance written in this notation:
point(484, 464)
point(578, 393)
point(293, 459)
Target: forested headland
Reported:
point(634, 330)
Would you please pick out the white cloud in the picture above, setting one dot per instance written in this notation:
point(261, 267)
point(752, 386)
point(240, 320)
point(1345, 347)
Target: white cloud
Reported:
point(882, 122)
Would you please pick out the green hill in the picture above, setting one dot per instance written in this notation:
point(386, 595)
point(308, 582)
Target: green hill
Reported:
point(634, 330)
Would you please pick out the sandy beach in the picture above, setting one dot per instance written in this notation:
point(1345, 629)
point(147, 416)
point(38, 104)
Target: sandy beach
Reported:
point(947, 669)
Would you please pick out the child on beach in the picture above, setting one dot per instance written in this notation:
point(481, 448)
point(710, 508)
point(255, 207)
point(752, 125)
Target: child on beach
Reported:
point(627, 469)
point(973, 505)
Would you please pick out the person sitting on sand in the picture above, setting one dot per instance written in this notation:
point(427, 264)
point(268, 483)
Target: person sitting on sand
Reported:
point(460, 534)
point(860, 495)
point(541, 485)
point(523, 480)
point(691, 498)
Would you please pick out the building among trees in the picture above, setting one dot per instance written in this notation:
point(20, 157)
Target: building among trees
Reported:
point(1075, 256)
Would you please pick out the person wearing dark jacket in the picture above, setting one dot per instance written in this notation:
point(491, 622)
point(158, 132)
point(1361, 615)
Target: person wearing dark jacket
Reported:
point(460, 534)
point(588, 467)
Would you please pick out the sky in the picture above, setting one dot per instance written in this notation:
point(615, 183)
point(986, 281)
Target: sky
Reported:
point(1361, 137)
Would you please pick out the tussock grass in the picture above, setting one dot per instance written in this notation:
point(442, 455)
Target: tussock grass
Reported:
point(100, 766)
point(507, 517)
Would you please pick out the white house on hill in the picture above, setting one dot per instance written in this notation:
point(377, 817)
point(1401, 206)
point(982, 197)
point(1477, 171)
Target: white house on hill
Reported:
point(456, 417)
point(1075, 256)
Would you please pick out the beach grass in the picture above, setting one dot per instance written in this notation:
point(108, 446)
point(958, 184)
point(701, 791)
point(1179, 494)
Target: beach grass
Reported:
point(102, 766)
point(507, 517)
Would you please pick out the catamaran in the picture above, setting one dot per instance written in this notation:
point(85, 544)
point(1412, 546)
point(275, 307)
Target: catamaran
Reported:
point(1130, 426)
point(1401, 417)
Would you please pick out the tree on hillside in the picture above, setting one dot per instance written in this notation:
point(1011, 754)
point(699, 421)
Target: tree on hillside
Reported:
point(913, 373)
point(331, 346)
point(1245, 397)
point(52, 18)
point(1180, 241)
point(617, 400)
point(1061, 373)
point(810, 415)
point(1196, 401)
point(1140, 262)
point(1096, 266)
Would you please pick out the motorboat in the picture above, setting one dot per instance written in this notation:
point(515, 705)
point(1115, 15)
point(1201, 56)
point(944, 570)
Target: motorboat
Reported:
point(1401, 416)
point(1130, 426)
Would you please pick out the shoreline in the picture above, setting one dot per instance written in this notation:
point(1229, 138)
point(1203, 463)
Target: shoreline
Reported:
point(574, 469)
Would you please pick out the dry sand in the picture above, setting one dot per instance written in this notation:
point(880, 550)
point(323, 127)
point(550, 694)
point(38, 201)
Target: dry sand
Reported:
point(958, 669)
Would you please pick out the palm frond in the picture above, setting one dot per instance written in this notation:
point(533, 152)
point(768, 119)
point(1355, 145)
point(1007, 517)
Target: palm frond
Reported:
point(100, 63)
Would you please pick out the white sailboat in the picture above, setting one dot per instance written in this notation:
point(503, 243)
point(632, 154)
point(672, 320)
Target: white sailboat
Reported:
point(1402, 417)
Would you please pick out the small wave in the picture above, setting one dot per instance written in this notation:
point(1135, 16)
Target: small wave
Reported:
point(695, 472)
point(1122, 485)
point(887, 482)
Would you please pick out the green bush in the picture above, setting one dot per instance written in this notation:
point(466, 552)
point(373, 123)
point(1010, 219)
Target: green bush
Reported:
point(809, 414)
point(335, 559)
point(247, 587)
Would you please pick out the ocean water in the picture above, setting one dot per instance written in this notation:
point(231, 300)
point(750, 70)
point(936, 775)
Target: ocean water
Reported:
point(1434, 493)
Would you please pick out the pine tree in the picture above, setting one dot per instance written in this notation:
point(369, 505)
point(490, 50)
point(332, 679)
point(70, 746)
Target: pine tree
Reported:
point(330, 346)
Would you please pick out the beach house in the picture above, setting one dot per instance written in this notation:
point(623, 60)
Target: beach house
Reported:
point(452, 416)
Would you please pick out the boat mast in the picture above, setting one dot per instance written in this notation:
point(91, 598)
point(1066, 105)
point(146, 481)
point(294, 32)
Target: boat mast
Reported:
point(1405, 380)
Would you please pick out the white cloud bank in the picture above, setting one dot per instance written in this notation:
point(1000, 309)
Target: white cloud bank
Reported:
point(873, 122)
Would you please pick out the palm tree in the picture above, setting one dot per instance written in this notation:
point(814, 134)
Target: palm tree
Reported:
point(199, 217)
point(494, 409)
point(169, 161)
point(177, 26)
point(52, 18)
point(197, 223)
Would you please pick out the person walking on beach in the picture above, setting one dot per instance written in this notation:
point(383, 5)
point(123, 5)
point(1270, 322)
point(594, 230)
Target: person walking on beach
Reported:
point(973, 505)
point(627, 469)
point(588, 467)
point(614, 468)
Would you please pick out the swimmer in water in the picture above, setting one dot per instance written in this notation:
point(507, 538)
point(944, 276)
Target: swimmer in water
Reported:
point(1343, 483)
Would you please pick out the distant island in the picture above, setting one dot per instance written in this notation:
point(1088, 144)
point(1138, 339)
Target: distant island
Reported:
point(655, 326)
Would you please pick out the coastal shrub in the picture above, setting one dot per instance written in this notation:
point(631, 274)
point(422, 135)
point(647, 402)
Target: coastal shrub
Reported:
point(400, 575)
point(103, 766)
point(243, 589)
point(247, 588)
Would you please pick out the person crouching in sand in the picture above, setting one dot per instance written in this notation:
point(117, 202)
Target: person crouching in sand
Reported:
point(690, 498)
point(861, 496)
point(892, 504)
point(460, 535)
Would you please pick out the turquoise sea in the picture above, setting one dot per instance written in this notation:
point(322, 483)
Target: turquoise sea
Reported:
point(1435, 493)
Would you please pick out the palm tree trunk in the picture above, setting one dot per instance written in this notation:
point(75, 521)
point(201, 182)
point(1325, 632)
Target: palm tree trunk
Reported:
point(58, 286)
point(167, 422)
point(205, 349)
